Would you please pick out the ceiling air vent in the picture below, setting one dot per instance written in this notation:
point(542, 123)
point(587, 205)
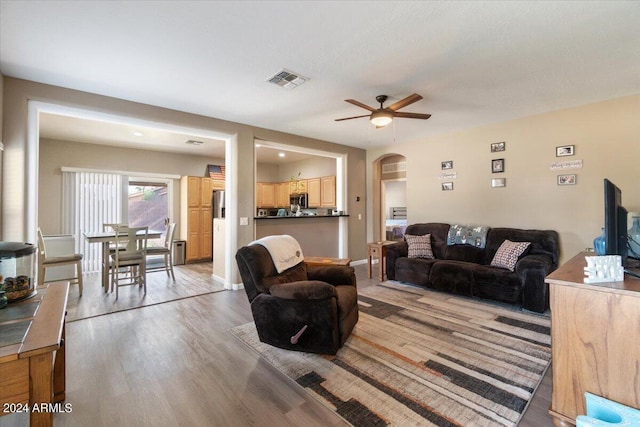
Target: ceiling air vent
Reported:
point(394, 167)
point(287, 79)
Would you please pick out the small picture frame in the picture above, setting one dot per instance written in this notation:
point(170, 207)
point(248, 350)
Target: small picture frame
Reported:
point(448, 164)
point(447, 186)
point(565, 150)
point(499, 182)
point(567, 179)
point(497, 165)
point(498, 146)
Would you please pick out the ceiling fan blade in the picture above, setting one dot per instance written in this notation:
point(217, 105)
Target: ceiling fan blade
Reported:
point(412, 115)
point(354, 117)
point(404, 102)
point(360, 104)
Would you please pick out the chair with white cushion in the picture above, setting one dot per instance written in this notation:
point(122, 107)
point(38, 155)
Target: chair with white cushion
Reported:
point(45, 262)
point(165, 252)
point(128, 265)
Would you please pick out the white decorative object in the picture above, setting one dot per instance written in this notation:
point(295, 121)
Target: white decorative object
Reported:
point(603, 269)
point(570, 164)
point(448, 175)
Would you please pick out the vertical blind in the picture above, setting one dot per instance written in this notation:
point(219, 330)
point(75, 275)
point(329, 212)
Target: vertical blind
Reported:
point(91, 199)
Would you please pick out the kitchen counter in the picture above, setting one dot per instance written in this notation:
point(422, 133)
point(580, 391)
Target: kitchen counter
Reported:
point(299, 217)
point(318, 235)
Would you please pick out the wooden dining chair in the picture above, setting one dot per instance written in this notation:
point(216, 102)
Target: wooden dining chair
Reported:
point(165, 251)
point(128, 265)
point(45, 262)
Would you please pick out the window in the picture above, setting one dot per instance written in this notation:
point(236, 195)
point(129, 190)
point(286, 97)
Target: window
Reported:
point(148, 205)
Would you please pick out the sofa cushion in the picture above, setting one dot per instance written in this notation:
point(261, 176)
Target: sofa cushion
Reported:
point(497, 284)
point(508, 254)
point(452, 276)
point(419, 246)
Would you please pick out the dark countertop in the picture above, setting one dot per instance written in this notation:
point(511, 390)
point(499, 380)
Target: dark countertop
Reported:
point(299, 217)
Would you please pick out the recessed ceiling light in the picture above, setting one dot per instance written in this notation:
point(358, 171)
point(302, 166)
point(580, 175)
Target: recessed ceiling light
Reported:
point(281, 154)
point(258, 145)
point(136, 133)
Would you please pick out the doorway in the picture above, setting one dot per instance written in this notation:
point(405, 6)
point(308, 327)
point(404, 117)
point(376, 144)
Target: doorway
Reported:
point(390, 197)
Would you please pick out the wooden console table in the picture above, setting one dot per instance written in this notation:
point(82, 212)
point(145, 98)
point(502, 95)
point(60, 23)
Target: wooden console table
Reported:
point(595, 340)
point(32, 354)
point(324, 261)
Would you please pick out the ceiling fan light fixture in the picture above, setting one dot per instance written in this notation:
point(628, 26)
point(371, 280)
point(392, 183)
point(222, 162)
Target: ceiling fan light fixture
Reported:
point(381, 118)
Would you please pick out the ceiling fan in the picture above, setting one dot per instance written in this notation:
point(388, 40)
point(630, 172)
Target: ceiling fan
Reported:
point(382, 116)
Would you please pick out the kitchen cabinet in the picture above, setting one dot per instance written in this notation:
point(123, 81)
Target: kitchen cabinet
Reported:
point(196, 217)
point(265, 195)
point(328, 192)
point(298, 186)
point(282, 195)
point(314, 188)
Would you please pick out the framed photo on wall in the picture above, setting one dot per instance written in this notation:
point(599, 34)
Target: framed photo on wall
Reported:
point(448, 164)
point(499, 182)
point(568, 179)
point(498, 146)
point(497, 165)
point(565, 150)
point(447, 186)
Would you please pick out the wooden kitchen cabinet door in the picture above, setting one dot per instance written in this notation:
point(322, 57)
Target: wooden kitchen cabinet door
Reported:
point(314, 190)
point(206, 191)
point(328, 192)
point(282, 194)
point(206, 234)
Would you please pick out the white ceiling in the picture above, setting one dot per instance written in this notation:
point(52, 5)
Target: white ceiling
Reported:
point(475, 62)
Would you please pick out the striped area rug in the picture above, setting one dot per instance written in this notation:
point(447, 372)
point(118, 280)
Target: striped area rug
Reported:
point(418, 357)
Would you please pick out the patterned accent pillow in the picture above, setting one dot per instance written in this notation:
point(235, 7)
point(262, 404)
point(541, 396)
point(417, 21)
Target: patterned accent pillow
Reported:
point(419, 246)
point(508, 254)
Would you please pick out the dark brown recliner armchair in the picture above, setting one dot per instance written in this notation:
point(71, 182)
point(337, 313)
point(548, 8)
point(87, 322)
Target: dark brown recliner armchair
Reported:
point(324, 299)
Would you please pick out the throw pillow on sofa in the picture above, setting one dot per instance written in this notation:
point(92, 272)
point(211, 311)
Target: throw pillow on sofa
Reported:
point(419, 246)
point(508, 254)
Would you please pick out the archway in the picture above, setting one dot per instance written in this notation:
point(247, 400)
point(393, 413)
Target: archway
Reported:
point(389, 197)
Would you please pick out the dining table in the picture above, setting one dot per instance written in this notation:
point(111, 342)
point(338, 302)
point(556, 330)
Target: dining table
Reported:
point(105, 237)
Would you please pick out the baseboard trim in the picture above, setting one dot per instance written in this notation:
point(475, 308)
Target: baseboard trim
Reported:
point(359, 262)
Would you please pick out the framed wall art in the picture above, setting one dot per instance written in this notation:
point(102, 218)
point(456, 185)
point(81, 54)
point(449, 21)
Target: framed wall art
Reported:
point(498, 146)
point(497, 165)
point(447, 186)
point(565, 150)
point(448, 164)
point(499, 182)
point(567, 179)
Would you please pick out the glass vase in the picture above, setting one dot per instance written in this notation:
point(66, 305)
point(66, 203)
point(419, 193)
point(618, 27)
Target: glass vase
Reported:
point(599, 244)
point(634, 238)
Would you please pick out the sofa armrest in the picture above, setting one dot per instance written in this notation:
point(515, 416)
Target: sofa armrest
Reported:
point(393, 252)
point(532, 270)
point(303, 290)
point(334, 275)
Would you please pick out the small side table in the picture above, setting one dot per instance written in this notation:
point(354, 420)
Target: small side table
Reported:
point(377, 249)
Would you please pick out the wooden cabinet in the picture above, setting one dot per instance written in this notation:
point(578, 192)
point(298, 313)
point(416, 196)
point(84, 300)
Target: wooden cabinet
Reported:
point(328, 192)
point(266, 195)
point(196, 217)
point(314, 189)
point(299, 186)
point(282, 195)
point(595, 345)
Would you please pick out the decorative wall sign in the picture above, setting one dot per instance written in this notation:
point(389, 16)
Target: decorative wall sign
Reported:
point(447, 186)
point(569, 179)
point(447, 164)
point(497, 165)
point(499, 182)
point(498, 146)
point(565, 150)
point(449, 175)
point(569, 164)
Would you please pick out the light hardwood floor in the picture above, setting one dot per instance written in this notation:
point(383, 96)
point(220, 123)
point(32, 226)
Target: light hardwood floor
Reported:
point(175, 364)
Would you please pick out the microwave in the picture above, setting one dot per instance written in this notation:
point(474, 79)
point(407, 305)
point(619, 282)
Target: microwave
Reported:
point(299, 199)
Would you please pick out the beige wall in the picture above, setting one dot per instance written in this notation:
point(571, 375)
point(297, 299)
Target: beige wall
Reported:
point(309, 168)
point(606, 136)
point(18, 205)
point(56, 154)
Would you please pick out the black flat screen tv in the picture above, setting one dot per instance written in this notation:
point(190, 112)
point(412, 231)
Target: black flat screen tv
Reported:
point(615, 222)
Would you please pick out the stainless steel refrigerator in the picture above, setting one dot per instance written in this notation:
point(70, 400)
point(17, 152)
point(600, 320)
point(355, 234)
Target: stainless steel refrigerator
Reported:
point(217, 201)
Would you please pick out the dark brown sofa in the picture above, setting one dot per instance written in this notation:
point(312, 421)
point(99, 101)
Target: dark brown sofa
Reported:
point(466, 270)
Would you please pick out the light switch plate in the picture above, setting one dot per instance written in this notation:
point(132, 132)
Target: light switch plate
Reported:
point(244, 220)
